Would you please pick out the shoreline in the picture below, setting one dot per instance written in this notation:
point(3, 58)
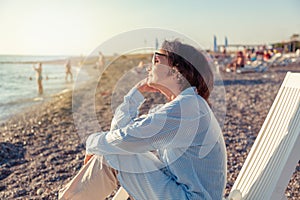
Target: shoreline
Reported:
point(40, 149)
point(52, 87)
point(25, 105)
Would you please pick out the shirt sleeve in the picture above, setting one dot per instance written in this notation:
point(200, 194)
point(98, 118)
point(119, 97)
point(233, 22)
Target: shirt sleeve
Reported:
point(172, 126)
point(128, 110)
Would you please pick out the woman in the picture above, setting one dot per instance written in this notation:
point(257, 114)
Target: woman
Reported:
point(177, 151)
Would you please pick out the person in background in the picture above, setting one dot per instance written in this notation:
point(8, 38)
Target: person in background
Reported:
point(101, 61)
point(238, 62)
point(141, 68)
point(39, 77)
point(68, 70)
point(266, 56)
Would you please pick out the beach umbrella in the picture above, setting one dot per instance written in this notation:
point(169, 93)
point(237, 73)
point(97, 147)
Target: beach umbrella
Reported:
point(156, 43)
point(226, 42)
point(215, 44)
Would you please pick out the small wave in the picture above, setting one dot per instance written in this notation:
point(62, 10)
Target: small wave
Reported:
point(38, 99)
point(20, 101)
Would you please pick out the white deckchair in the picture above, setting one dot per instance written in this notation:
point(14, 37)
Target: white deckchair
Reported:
point(276, 150)
point(275, 153)
point(121, 194)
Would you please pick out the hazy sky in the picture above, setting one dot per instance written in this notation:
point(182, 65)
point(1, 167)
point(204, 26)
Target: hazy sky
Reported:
point(73, 27)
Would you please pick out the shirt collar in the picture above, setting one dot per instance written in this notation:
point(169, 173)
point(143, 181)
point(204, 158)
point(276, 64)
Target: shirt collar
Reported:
point(189, 91)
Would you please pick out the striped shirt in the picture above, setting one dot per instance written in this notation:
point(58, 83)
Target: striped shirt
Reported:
point(176, 151)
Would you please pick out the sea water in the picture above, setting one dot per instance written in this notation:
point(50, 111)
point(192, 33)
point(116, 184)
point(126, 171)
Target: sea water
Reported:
point(18, 85)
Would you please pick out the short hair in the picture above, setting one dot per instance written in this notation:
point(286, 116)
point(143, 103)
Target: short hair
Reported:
point(193, 66)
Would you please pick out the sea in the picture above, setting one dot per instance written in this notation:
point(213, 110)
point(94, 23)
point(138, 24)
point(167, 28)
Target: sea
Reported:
point(18, 85)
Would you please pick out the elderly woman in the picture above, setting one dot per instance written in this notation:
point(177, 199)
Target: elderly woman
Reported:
point(176, 151)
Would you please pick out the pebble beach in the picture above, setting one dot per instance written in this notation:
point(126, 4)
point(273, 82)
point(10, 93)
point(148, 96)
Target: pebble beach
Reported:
point(41, 150)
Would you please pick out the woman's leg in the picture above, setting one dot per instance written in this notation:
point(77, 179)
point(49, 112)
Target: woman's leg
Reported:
point(154, 185)
point(95, 180)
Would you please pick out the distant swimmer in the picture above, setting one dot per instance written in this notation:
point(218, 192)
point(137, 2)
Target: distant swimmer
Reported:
point(68, 70)
point(39, 77)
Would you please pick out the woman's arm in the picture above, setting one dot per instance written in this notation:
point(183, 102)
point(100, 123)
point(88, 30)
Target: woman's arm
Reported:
point(128, 110)
point(171, 126)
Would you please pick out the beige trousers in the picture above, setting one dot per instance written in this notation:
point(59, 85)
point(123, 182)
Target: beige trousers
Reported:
point(95, 180)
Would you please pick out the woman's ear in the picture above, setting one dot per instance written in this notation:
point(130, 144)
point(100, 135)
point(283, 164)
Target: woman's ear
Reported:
point(176, 74)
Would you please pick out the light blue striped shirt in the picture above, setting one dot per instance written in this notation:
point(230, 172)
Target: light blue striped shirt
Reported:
point(176, 151)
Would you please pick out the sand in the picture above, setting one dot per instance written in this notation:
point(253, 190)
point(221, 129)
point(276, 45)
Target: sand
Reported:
point(41, 150)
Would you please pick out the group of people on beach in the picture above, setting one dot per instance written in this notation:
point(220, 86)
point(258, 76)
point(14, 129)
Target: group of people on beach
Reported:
point(176, 151)
point(247, 56)
point(68, 70)
point(39, 75)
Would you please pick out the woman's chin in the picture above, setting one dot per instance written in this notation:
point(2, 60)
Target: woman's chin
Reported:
point(152, 84)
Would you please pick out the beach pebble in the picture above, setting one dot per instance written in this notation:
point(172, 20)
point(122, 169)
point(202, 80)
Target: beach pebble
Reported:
point(40, 191)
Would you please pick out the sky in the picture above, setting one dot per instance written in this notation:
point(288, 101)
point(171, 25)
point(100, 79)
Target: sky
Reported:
point(74, 27)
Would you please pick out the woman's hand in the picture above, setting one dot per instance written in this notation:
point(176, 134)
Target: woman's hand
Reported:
point(87, 158)
point(143, 86)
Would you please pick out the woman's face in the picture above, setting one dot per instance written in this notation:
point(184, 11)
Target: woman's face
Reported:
point(159, 73)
